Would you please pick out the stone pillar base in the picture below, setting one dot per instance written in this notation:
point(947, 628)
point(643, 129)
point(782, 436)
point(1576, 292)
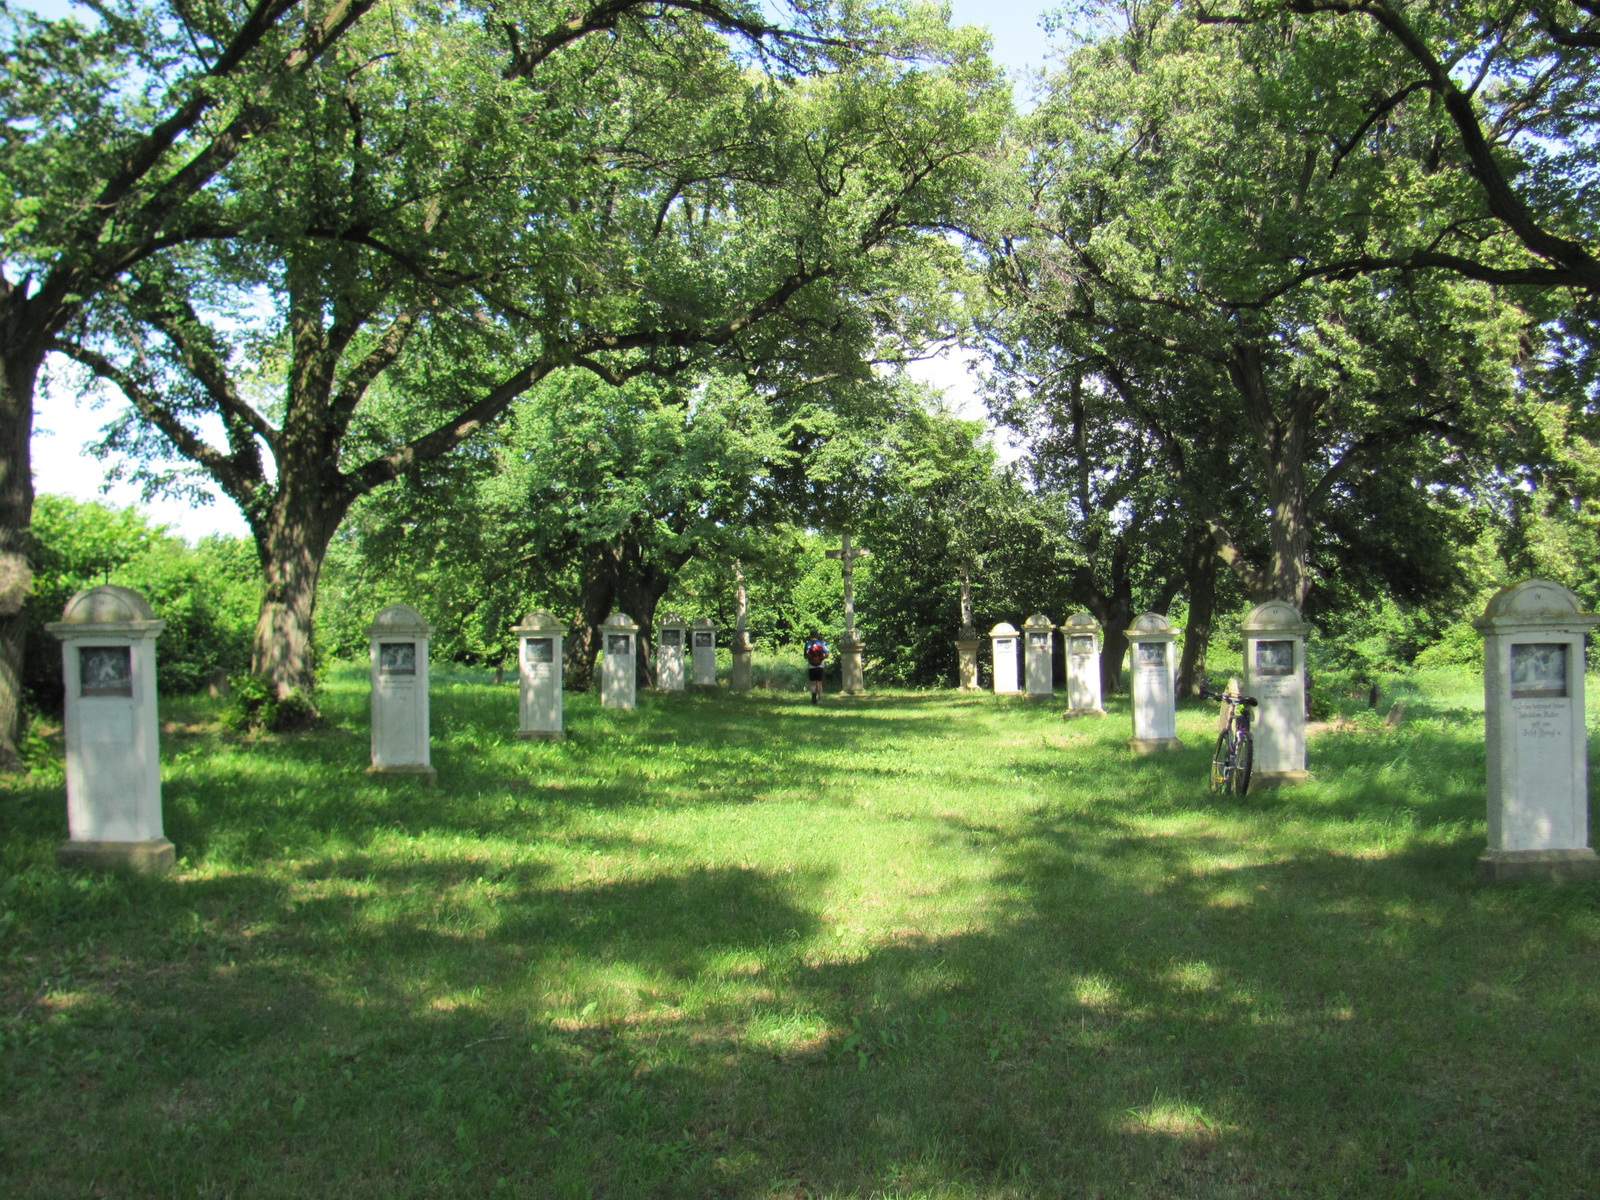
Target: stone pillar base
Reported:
point(1153, 745)
point(852, 678)
point(1550, 866)
point(739, 676)
point(1012, 692)
point(418, 771)
point(542, 735)
point(1263, 781)
point(155, 857)
point(1082, 712)
point(1041, 695)
point(967, 656)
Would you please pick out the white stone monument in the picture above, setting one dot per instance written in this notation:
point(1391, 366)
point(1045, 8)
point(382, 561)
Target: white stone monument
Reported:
point(852, 674)
point(671, 638)
point(705, 653)
point(1039, 640)
point(1082, 634)
point(1537, 742)
point(399, 673)
point(108, 659)
point(739, 675)
point(539, 639)
point(1275, 674)
point(1003, 641)
point(1155, 715)
point(619, 645)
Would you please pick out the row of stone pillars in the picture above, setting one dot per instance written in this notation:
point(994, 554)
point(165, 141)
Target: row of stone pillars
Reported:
point(1537, 743)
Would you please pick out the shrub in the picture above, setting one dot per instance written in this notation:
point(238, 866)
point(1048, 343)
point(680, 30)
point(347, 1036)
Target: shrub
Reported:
point(255, 706)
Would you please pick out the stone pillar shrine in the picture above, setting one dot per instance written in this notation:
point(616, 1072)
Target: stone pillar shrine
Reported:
point(705, 653)
point(108, 659)
point(1275, 674)
point(1082, 634)
point(739, 676)
point(399, 674)
point(1003, 641)
point(967, 639)
point(852, 675)
point(619, 670)
point(1155, 715)
point(1537, 741)
point(671, 638)
point(539, 640)
point(1039, 639)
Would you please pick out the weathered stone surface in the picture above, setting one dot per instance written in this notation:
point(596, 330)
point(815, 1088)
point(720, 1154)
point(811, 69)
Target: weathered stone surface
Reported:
point(1537, 753)
point(619, 647)
point(1155, 719)
point(1275, 674)
point(539, 661)
point(398, 657)
point(1004, 640)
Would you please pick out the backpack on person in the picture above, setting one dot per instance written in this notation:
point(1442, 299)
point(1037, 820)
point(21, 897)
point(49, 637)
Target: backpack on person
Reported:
point(816, 652)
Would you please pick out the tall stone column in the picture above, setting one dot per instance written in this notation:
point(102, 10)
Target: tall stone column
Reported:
point(398, 646)
point(967, 640)
point(739, 675)
point(619, 671)
point(671, 637)
point(1275, 674)
point(1155, 717)
point(1082, 634)
point(108, 659)
point(1537, 745)
point(852, 675)
point(539, 640)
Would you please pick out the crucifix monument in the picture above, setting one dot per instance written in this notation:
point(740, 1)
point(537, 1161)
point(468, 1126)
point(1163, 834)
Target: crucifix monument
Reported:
point(739, 680)
point(852, 681)
point(967, 639)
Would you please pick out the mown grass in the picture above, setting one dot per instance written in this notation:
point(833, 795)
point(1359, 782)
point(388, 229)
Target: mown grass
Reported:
point(915, 945)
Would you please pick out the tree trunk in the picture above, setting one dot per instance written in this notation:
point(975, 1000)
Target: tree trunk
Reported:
point(1281, 443)
point(19, 370)
point(1202, 603)
point(597, 588)
point(291, 548)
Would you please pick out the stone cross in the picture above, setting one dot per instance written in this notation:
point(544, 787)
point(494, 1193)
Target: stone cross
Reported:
point(964, 569)
point(741, 605)
point(847, 557)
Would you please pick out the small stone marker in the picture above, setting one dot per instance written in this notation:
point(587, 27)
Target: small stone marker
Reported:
point(1275, 674)
point(539, 640)
point(671, 638)
point(1155, 717)
point(739, 676)
point(1003, 640)
point(705, 653)
point(108, 659)
point(1082, 633)
point(852, 676)
point(619, 679)
point(399, 674)
point(1397, 715)
point(1537, 740)
point(1039, 638)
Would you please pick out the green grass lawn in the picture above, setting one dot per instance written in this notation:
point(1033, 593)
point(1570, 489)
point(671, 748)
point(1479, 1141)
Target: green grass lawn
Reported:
point(912, 945)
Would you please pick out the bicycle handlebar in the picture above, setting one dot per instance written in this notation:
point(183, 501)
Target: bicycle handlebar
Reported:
point(1207, 694)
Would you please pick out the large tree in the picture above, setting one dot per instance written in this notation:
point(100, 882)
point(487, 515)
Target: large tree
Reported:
point(449, 211)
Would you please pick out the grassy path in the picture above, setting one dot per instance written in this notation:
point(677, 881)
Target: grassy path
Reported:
point(908, 946)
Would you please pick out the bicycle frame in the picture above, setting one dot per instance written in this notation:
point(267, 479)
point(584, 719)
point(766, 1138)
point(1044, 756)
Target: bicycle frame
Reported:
point(1234, 756)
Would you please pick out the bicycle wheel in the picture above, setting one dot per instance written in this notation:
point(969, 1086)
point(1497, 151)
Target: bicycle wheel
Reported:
point(1244, 759)
point(1219, 763)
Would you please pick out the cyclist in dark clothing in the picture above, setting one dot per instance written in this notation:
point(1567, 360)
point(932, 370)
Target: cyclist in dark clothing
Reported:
point(816, 655)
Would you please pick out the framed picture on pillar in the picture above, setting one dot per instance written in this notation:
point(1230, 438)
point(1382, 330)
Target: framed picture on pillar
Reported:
point(1082, 647)
point(540, 650)
point(1274, 658)
point(1150, 654)
point(619, 643)
point(1539, 670)
point(397, 658)
point(704, 640)
point(105, 671)
point(672, 639)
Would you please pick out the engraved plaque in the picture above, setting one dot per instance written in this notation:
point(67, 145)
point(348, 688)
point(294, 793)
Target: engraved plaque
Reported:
point(1039, 641)
point(106, 671)
point(704, 639)
point(1150, 654)
point(671, 639)
point(540, 650)
point(1004, 644)
point(1082, 646)
point(1538, 670)
point(619, 643)
point(1274, 658)
point(397, 658)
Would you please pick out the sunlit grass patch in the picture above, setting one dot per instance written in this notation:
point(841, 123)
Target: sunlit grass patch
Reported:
point(923, 944)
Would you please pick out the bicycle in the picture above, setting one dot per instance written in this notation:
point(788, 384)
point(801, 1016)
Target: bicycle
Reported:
point(1235, 751)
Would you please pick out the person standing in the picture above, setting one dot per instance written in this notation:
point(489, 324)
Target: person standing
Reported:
point(816, 655)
